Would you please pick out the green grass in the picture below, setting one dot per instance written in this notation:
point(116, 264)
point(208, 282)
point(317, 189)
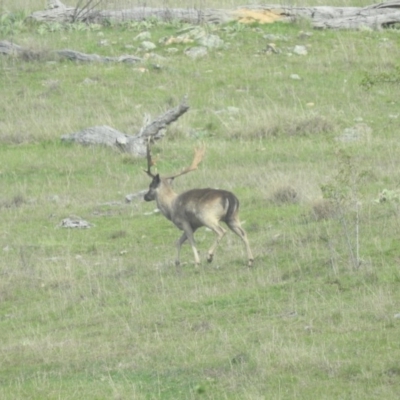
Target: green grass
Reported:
point(102, 313)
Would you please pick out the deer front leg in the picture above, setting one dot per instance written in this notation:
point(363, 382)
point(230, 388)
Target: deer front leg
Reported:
point(188, 235)
point(220, 232)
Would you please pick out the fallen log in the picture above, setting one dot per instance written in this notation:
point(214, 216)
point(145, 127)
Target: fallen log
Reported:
point(375, 22)
point(135, 145)
point(12, 49)
point(376, 16)
point(83, 57)
point(63, 14)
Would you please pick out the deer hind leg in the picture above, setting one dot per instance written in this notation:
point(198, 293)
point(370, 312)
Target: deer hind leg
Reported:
point(220, 232)
point(179, 244)
point(188, 234)
point(235, 226)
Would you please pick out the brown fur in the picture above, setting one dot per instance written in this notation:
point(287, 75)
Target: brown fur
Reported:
point(196, 208)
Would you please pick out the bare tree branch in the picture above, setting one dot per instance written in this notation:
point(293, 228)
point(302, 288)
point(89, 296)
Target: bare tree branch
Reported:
point(135, 145)
point(84, 8)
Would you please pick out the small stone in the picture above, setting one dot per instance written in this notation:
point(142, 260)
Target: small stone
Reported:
point(74, 222)
point(232, 110)
point(300, 50)
point(358, 132)
point(271, 48)
point(142, 70)
point(304, 35)
point(196, 52)
point(211, 42)
point(135, 196)
point(146, 45)
point(142, 36)
point(274, 37)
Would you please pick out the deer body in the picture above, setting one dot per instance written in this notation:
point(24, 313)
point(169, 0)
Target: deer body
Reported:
point(196, 208)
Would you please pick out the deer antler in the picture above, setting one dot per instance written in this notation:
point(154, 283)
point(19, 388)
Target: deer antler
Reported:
point(150, 161)
point(198, 157)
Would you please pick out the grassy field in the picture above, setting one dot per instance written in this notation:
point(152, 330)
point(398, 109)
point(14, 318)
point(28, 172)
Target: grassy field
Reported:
point(102, 313)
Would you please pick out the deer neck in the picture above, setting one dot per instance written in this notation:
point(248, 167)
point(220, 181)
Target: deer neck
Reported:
point(165, 200)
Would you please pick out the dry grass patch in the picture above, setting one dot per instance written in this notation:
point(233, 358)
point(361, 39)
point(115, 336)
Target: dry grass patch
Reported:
point(309, 125)
point(15, 202)
point(324, 209)
point(285, 195)
point(281, 122)
point(37, 55)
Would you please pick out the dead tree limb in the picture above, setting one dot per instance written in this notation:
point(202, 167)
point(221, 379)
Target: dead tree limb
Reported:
point(83, 57)
point(375, 16)
point(85, 8)
point(12, 49)
point(64, 14)
point(135, 145)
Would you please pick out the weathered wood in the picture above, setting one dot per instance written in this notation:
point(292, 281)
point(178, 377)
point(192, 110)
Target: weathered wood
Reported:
point(189, 15)
point(12, 49)
point(359, 21)
point(58, 12)
point(376, 16)
point(83, 57)
point(135, 145)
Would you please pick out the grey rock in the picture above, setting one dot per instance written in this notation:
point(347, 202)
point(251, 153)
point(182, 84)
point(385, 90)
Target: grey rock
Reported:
point(360, 131)
point(196, 52)
point(135, 196)
point(300, 50)
point(143, 36)
point(75, 222)
point(211, 42)
point(146, 45)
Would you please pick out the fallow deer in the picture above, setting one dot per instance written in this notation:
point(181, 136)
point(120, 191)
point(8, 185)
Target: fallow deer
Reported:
point(196, 208)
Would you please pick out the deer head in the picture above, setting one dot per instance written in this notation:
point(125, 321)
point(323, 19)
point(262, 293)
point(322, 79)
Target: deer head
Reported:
point(165, 182)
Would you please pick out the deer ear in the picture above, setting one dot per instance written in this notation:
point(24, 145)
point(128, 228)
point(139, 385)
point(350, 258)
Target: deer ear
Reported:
point(157, 178)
